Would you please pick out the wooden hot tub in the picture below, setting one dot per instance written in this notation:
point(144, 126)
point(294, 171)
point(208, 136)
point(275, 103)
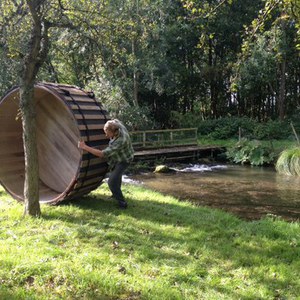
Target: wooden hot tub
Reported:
point(65, 114)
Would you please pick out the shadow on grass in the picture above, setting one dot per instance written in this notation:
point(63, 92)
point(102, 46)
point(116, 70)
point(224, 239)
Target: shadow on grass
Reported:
point(2, 192)
point(251, 246)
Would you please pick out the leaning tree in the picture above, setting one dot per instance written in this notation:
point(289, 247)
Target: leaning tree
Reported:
point(27, 28)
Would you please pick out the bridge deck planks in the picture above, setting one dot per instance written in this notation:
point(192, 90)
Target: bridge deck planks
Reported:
point(178, 153)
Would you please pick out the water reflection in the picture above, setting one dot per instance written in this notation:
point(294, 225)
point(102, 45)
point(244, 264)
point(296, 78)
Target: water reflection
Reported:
point(249, 192)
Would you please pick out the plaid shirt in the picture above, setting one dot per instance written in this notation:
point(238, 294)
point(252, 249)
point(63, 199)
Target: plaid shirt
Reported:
point(119, 148)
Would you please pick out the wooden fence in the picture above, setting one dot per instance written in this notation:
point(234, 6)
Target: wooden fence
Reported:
point(164, 138)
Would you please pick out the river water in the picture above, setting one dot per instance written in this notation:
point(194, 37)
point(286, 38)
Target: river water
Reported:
point(249, 192)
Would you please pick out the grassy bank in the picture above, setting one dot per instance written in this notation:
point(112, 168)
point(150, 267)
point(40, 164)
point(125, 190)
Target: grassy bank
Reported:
point(277, 145)
point(159, 248)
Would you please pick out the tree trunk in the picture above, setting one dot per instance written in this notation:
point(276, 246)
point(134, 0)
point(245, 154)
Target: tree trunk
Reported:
point(135, 71)
point(135, 77)
point(135, 89)
point(37, 51)
point(212, 82)
point(282, 93)
point(31, 184)
point(281, 101)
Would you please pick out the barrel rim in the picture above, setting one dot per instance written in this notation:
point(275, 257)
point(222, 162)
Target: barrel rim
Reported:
point(51, 89)
point(61, 92)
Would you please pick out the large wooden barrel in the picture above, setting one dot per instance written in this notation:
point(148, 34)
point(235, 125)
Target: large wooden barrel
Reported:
point(65, 114)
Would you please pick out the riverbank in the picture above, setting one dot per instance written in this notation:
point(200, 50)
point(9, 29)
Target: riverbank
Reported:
point(159, 248)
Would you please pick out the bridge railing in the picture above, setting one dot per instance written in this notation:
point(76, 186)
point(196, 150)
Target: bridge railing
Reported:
point(164, 138)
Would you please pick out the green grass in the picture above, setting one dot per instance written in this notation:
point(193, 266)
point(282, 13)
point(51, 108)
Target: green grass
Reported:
point(288, 162)
point(159, 248)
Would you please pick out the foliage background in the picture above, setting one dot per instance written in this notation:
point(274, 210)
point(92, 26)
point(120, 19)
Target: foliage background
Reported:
point(145, 60)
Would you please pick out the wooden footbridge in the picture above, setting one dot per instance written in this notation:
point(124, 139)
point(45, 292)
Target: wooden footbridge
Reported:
point(171, 145)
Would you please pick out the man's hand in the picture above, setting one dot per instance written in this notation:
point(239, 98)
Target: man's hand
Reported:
point(81, 145)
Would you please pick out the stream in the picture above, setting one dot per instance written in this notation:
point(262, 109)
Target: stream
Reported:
point(248, 192)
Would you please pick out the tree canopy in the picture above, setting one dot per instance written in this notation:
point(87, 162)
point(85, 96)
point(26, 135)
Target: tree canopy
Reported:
point(213, 58)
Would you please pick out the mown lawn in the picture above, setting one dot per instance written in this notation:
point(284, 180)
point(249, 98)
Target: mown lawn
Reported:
point(159, 248)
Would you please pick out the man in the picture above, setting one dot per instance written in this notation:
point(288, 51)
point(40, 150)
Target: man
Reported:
point(118, 154)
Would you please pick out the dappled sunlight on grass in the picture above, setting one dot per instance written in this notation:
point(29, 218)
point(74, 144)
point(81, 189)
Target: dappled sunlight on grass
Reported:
point(159, 248)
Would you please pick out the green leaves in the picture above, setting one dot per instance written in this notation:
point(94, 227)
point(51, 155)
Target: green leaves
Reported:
point(250, 152)
point(167, 55)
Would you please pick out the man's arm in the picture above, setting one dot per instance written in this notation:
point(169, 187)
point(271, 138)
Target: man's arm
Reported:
point(82, 145)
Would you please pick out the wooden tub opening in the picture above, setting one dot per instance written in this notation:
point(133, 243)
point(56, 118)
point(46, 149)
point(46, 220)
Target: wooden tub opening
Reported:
point(57, 137)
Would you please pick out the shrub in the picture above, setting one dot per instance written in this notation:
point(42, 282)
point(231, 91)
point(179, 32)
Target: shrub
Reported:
point(250, 152)
point(273, 130)
point(187, 120)
point(228, 127)
point(136, 118)
point(207, 127)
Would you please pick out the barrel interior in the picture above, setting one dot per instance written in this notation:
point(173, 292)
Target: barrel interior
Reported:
point(57, 136)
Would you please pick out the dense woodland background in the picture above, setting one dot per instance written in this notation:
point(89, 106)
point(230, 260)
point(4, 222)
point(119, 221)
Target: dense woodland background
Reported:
point(168, 63)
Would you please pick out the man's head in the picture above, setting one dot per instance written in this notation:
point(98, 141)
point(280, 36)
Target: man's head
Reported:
point(111, 128)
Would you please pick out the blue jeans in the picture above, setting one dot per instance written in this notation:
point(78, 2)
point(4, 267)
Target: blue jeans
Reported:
point(115, 180)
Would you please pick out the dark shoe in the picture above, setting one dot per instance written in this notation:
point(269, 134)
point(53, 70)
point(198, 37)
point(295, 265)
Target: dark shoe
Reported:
point(122, 204)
